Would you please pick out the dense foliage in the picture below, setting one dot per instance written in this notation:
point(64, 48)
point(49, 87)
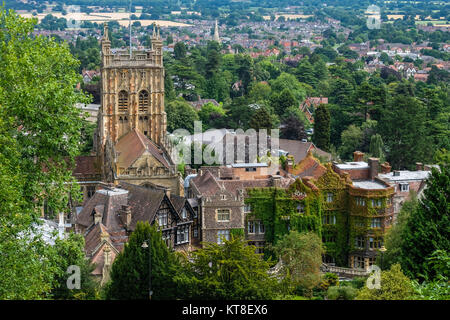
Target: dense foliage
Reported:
point(39, 138)
point(131, 269)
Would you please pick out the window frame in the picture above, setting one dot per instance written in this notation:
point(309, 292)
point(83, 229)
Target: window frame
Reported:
point(223, 213)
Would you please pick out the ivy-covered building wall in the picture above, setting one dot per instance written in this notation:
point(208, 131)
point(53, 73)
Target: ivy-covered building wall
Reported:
point(350, 219)
point(370, 216)
point(335, 215)
point(297, 208)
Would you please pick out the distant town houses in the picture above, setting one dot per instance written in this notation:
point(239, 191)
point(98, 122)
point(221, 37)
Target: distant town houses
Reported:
point(201, 102)
point(308, 106)
point(89, 75)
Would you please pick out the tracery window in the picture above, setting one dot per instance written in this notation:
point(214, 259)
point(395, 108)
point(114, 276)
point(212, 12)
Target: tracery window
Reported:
point(143, 101)
point(123, 101)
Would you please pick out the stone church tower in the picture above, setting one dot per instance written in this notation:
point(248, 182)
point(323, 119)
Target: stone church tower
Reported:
point(132, 93)
point(131, 131)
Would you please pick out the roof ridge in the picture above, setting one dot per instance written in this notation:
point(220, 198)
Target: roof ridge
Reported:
point(139, 137)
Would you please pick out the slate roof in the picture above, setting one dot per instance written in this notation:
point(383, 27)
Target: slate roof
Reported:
point(209, 185)
point(86, 166)
point(298, 149)
point(107, 204)
point(144, 202)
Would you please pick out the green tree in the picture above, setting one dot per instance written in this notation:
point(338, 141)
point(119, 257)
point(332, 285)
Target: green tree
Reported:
point(180, 115)
point(376, 147)
point(305, 72)
point(351, 139)
point(394, 286)
point(402, 128)
point(320, 70)
point(301, 256)
point(67, 252)
point(180, 50)
point(231, 271)
point(321, 136)
point(394, 236)
point(245, 70)
point(262, 119)
point(341, 293)
point(259, 91)
point(427, 228)
point(282, 101)
point(39, 128)
point(130, 270)
point(289, 81)
point(209, 113)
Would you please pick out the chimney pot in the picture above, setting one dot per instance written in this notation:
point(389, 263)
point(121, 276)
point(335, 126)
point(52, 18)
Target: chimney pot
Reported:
point(419, 166)
point(385, 167)
point(97, 217)
point(373, 167)
point(358, 156)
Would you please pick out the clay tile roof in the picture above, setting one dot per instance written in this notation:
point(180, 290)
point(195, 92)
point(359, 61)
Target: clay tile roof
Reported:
point(308, 167)
point(132, 145)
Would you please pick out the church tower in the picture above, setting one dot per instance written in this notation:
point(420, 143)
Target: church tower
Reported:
point(216, 33)
point(132, 92)
point(131, 131)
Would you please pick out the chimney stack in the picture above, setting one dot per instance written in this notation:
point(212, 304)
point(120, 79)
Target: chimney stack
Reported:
point(358, 156)
point(276, 181)
point(373, 167)
point(289, 163)
point(97, 216)
point(385, 167)
point(419, 166)
point(125, 215)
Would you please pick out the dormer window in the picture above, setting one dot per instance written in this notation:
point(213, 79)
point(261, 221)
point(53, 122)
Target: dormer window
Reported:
point(163, 219)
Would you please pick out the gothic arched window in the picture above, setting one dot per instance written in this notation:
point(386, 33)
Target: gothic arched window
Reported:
point(123, 101)
point(143, 101)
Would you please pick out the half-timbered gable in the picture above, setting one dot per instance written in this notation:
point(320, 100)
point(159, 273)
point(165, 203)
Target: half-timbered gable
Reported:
point(111, 215)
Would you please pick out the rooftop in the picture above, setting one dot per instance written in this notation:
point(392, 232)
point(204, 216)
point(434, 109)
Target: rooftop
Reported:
point(112, 191)
point(367, 184)
point(249, 165)
point(405, 175)
point(352, 165)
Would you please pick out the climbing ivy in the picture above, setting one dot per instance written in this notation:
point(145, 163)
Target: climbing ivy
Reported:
point(296, 208)
point(332, 183)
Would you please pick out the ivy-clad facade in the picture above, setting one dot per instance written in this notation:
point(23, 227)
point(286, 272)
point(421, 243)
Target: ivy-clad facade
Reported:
point(346, 204)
